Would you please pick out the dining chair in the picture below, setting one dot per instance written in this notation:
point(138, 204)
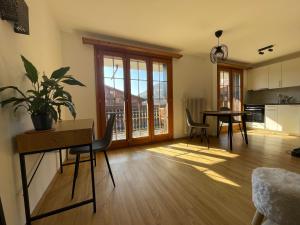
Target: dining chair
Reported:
point(224, 119)
point(194, 125)
point(97, 146)
point(2, 217)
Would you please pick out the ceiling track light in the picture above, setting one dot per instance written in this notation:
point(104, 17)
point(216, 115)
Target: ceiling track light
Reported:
point(269, 48)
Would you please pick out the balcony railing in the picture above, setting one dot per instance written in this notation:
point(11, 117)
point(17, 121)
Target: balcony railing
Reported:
point(139, 119)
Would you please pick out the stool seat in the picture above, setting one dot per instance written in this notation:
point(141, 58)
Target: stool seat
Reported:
point(276, 195)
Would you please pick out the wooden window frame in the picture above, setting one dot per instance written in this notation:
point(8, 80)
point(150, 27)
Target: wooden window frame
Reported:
point(230, 69)
point(99, 52)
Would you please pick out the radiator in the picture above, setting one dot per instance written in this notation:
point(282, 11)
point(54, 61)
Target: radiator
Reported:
point(196, 106)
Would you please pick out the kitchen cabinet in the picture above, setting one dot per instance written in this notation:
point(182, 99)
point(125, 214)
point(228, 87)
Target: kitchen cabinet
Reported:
point(275, 76)
point(285, 118)
point(257, 78)
point(288, 118)
point(271, 118)
point(291, 73)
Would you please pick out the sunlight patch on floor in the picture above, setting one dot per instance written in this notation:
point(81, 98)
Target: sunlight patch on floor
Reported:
point(208, 160)
point(216, 176)
point(266, 133)
point(213, 151)
point(184, 157)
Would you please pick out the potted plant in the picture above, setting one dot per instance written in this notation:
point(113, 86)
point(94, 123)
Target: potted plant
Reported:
point(44, 101)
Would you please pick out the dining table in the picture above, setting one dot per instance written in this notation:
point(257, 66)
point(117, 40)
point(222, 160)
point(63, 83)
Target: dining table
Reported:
point(230, 115)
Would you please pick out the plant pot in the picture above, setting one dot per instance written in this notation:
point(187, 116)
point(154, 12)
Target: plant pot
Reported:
point(42, 121)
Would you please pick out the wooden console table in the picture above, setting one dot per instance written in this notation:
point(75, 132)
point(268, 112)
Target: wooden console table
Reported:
point(66, 134)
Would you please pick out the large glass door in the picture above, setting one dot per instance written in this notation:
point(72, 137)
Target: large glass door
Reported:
point(138, 89)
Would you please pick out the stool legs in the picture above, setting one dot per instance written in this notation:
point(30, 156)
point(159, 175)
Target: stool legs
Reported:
point(257, 219)
point(108, 165)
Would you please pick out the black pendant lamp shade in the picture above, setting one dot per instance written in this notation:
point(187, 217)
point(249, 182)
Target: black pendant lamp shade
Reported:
point(219, 52)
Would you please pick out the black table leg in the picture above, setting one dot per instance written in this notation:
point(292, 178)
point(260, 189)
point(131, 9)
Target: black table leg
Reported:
point(230, 131)
point(244, 116)
point(25, 189)
point(93, 177)
point(204, 118)
point(60, 161)
point(218, 126)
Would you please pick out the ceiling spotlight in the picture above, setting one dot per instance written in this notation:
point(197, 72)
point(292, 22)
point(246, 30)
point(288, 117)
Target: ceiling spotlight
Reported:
point(270, 49)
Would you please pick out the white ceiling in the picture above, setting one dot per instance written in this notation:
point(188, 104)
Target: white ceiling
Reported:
point(189, 25)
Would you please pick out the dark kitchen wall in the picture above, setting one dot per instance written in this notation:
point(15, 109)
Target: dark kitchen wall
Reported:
point(271, 95)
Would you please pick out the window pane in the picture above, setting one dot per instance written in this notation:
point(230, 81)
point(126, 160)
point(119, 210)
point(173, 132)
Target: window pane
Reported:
point(236, 88)
point(160, 90)
point(139, 95)
point(114, 94)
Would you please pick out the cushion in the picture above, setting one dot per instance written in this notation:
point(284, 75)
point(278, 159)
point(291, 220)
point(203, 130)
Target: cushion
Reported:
point(276, 195)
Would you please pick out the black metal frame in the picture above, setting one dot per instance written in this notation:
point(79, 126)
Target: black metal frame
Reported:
point(62, 164)
point(30, 218)
point(230, 132)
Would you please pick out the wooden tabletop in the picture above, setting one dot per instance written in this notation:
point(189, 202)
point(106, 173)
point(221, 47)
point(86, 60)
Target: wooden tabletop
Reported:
point(224, 113)
point(66, 133)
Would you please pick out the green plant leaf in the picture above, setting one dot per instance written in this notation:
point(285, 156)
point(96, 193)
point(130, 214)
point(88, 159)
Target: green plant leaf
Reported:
point(53, 112)
point(12, 100)
point(13, 87)
point(72, 81)
point(57, 74)
point(31, 71)
point(71, 108)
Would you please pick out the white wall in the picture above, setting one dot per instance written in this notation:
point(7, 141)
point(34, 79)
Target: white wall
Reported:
point(43, 48)
point(192, 77)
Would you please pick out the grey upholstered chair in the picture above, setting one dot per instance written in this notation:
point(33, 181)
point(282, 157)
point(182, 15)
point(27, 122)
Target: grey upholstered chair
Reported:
point(194, 126)
point(97, 146)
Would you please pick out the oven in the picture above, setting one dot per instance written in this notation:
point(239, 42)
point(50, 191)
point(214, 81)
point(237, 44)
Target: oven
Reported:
point(255, 113)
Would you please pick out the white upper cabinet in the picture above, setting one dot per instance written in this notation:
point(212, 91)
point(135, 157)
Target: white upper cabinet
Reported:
point(291, 73)
point(275, 76)
point(257, 78)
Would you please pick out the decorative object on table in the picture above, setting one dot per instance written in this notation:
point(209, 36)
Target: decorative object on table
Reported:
point(276, 196)
point(220, 51)
point(16, 11)
point(45, 100)
point(2, 217)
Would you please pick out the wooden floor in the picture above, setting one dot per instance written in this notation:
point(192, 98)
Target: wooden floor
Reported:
point(172, 183)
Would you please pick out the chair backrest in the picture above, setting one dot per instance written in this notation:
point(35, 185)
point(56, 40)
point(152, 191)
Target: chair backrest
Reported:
point(189, 118)
point(109, 130)
point(224, 119)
